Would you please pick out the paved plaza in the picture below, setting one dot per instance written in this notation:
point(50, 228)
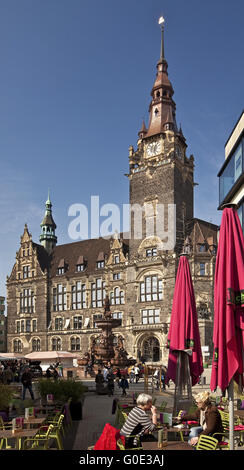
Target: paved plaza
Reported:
point(97, 411)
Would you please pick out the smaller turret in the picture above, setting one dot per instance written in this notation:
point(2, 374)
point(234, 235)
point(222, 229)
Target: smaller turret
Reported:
point(48, 238)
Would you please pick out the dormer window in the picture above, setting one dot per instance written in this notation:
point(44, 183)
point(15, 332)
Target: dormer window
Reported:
point(62, 267)
point(80, 265)
point(100, 261)
point(100, 264)
point(60, 271)
point(116, 259)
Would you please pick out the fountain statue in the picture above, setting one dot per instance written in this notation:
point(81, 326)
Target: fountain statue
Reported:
point(103, 348)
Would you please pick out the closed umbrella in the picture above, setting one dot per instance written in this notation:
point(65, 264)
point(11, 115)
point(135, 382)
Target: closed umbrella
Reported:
point(184, 330)
point(228, 333)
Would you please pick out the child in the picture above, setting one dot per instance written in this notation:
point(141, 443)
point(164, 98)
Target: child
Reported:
point(124, 385)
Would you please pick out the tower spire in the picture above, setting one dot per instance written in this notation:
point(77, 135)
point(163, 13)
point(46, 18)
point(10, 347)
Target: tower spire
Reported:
point(162, 107)
point(48, 238)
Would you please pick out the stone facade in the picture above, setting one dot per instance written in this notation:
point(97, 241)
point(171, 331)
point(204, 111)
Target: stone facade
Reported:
point(56, 292)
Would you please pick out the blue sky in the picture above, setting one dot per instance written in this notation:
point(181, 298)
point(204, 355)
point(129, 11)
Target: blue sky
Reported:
point(75, 83)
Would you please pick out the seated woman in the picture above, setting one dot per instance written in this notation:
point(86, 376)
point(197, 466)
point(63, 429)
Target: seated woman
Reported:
point(138, 423)
point(208, 417)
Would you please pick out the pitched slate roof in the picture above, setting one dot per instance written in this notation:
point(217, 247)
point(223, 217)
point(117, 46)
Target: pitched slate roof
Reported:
point(88, 250)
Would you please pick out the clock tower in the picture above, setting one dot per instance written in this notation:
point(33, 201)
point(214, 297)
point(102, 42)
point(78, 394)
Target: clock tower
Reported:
point(161, 174)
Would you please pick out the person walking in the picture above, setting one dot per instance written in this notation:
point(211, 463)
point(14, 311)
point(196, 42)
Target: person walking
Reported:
point(132, 374)
point(163, 377)
point(99, 380)
point(124, 385)
point(26, 380)
point(110, 380)
point(137, 373)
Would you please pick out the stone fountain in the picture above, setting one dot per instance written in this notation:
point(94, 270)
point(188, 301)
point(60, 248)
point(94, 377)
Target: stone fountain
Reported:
point(103, 348)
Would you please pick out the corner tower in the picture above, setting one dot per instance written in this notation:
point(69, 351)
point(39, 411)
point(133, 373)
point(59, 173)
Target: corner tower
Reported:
point(160, 171)
point(48, 238)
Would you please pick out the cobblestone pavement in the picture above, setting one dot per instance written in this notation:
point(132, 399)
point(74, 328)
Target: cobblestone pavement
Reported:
point(97, 411)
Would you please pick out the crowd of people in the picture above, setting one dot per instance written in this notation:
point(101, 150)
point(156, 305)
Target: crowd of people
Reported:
point(108, 376)
point(23, 372)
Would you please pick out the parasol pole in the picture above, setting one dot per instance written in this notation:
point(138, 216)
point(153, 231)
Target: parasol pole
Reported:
point(231, 413)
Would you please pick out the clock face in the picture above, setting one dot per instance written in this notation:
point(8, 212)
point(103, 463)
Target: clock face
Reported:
point(153, 148)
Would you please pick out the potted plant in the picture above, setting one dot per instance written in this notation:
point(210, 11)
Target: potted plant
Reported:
point(63, 390)
point(6, 396)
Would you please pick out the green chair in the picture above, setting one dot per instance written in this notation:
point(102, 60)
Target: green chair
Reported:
point(122, 447)
point(56, 432)
point(163, 406)
point(206, 443)
point(58, 422)
point(40, 441)
point(3, 427)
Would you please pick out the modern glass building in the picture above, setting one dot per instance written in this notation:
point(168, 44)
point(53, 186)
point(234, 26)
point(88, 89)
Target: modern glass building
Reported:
point(231, 175)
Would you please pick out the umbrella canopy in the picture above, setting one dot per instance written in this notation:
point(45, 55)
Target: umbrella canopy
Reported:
point(10, 356)
point(184, 331)
point(42, 355)
point(228, 333)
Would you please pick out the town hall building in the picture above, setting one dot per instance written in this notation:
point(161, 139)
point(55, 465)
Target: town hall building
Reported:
point(55, 293)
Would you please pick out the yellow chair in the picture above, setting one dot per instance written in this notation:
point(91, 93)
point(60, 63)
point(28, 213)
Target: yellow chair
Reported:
point(58, 422)
point(224, 443)
point(122, 447)
point(206, 443)
point(3, 427)
point(163, 406)
point(56, 432)
point(40, 441)
point(121, 417)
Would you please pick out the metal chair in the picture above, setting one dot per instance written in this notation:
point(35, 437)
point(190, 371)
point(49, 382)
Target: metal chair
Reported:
point(122, 447)
point(56, 432)
point(206, 443)
point(40, 441)
point(3, 427)
point(163, 406)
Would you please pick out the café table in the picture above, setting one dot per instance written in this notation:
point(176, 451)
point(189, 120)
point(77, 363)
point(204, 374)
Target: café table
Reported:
point(239, 414)
point(18, 435)
point(35, 421)
point(171, 445)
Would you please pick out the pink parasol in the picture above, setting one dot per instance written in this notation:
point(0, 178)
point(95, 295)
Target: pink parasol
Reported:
point(228, 333)
point(184, 331)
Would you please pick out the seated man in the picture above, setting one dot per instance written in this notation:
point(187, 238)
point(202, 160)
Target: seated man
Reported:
point(208, 417)
point(138, 422)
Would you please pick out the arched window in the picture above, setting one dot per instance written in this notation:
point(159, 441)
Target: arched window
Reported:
point(117, 297)
point(56, 344)
point(18, 346)
point(75, 344)
point(36, 344)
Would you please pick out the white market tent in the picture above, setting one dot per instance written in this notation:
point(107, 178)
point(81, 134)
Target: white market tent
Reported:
point(48, 357)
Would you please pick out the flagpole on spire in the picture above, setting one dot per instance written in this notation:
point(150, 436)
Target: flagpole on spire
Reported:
point(161, 22)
